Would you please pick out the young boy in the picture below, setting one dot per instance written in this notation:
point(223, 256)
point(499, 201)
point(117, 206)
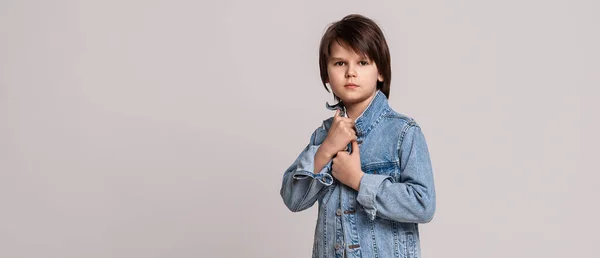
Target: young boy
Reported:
point(367, 166)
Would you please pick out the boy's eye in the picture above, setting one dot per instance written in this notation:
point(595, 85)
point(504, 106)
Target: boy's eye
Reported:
point(341, 63)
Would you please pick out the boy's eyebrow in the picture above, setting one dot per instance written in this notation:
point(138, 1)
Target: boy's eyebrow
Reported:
point(340, 58)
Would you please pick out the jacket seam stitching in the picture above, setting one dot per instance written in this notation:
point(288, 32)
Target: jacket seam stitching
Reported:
point(403, 132)
point(297, 206)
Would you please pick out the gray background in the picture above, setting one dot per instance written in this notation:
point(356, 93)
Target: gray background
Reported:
point(162, 128)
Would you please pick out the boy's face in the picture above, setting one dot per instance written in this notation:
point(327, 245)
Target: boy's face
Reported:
point(344, 68)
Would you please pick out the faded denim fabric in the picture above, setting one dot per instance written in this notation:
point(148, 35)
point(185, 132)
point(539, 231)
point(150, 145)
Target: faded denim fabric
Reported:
point(396, 193)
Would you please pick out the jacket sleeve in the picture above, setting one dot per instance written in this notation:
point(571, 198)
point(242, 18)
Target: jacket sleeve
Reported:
point(301, 186)
point(412, 199)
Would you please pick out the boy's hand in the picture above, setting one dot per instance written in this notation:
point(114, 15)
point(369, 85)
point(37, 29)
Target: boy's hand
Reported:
point(346, 167)
point(340, 134)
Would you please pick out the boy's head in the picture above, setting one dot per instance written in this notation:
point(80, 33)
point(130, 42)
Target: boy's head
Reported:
point(354, 51)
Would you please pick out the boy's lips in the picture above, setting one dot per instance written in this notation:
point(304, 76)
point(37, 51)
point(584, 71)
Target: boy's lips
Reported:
point(350, 85)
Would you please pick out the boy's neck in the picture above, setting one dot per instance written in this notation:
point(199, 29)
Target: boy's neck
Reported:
point(354, 110)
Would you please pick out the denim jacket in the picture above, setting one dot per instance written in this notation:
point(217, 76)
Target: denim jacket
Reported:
point(395, 194)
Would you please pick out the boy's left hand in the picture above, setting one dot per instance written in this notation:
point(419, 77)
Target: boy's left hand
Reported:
point(346, 167)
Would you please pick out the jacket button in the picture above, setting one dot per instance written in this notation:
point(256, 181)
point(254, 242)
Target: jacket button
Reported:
point(338, 212)
point(337, 246)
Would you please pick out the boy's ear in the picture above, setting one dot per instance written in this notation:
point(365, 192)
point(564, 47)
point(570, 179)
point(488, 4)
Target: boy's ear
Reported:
point(380, 78)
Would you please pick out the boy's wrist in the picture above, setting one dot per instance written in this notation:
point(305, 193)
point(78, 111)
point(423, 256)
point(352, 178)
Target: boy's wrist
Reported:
point(357, 179)
point(325, 151)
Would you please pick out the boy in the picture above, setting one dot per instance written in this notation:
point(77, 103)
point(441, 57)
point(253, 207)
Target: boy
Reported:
point(369, 170)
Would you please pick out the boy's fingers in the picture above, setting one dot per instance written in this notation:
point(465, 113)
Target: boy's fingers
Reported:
point(337, 112)
point(354, 147)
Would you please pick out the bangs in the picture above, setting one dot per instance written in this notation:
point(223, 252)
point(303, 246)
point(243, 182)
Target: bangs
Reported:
point(356, 46)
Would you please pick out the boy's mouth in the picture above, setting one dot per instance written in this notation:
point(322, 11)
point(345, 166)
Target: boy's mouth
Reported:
point(350, 85)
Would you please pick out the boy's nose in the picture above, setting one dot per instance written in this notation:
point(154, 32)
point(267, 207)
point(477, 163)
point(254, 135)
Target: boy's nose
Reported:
point(350, 73)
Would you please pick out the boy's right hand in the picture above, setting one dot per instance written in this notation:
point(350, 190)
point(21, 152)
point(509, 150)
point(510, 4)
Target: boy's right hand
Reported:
point(340, 134)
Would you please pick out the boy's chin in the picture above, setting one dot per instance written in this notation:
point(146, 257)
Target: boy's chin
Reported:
point(352, 98)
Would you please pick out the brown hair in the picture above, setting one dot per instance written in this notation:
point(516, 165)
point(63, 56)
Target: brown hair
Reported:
point(365, 37)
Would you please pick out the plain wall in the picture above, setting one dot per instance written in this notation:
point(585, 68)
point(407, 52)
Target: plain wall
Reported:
point(163, 128)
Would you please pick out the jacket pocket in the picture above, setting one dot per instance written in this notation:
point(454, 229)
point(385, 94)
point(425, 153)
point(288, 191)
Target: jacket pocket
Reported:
point(387, 168)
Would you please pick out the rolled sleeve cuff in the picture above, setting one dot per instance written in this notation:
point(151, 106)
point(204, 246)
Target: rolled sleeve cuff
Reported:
point(369, 186)
point(306, 165)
